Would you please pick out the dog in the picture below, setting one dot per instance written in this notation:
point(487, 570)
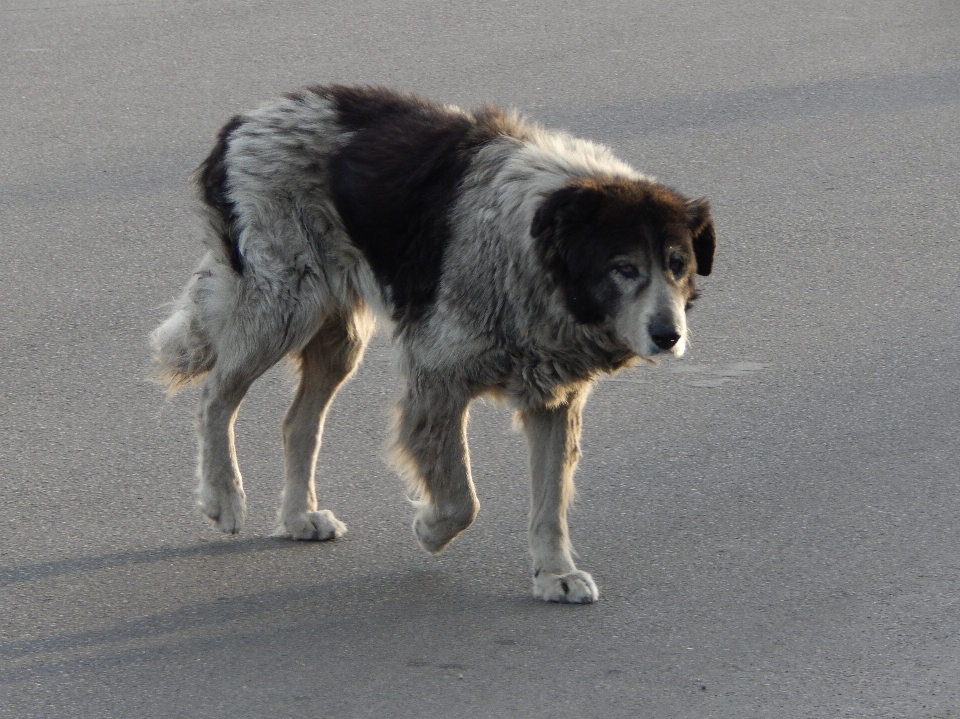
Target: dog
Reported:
point(509, 260)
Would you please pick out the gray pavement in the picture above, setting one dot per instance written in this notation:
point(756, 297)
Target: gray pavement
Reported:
point(772, 521)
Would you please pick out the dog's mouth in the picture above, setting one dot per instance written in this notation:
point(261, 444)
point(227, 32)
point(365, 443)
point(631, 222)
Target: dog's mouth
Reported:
point(656, 353)
point(651, 352)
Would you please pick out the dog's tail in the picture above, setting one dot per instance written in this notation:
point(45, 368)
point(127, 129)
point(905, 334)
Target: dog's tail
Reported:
point(184, 346)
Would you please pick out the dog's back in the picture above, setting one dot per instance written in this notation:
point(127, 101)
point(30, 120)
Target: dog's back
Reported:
point(350, 189)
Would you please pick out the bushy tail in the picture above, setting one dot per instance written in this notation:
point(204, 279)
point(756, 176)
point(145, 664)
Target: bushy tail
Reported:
point(180, 357)
point(183, 346)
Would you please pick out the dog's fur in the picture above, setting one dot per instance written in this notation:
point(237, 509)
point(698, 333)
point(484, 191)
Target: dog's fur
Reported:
point(511, 261)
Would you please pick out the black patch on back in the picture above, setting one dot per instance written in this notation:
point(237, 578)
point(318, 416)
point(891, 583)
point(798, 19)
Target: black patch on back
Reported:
point(212, 178)
point(395, 183)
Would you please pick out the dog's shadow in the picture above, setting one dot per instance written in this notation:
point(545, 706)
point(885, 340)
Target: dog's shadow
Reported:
point(46, 570)
point(361, 606)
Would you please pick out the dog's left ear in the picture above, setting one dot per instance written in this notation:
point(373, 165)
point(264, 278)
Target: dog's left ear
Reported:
point(704, 236)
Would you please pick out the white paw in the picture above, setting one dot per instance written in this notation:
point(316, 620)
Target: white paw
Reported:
point(575, 587)
point(226, 510)
point(312, 526)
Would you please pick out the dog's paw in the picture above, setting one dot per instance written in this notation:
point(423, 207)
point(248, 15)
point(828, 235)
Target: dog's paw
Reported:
point(226, 510)
point(575, 587)
point(433, 537)
point(311, 526)
point(435, 531)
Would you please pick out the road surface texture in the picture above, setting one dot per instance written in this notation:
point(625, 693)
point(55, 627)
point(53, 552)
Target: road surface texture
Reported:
point(773, 521)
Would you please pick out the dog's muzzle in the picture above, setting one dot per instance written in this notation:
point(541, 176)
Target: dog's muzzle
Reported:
point(664, 336)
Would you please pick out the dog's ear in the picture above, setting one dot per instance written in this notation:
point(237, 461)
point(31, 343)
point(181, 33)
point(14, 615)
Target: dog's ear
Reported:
point(574, 203)
point(704, 236)
point(558, 231)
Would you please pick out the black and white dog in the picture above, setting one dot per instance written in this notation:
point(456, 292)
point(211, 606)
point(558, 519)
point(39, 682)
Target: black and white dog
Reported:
point(510, 261)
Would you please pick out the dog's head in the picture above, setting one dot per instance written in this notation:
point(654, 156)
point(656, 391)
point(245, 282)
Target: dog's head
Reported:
point(626, 252)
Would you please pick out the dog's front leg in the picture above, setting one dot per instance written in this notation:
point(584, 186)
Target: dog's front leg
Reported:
point(431, 450)
point(554, 439)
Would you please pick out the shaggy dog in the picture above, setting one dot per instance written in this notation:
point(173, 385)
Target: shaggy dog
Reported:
point(509, 260)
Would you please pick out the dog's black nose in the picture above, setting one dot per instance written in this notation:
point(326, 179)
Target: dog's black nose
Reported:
point(664, 338)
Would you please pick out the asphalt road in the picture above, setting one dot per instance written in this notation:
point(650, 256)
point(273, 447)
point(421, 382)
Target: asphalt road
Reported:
point(772, 521)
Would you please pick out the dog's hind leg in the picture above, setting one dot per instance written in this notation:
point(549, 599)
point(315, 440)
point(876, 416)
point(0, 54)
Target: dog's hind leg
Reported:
point(247, 347)
point(220, 492)
point(326, 363)
point(554, 439)
point(431, 450)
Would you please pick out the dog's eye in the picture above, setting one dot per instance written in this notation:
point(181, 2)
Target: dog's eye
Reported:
point(627, 270)
point(677, 265)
